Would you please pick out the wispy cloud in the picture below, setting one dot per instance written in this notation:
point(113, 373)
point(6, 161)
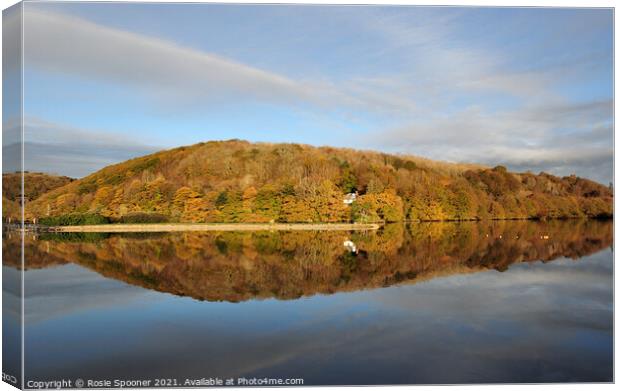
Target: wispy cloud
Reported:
point(66, 150)
point(472, 101)
point(561, 139)
point(65, 44)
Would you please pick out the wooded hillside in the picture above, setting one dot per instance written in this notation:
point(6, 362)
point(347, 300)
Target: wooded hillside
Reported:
point(35, 184)
point(238, 181)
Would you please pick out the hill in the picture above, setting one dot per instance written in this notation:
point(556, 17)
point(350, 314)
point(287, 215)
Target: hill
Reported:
point(35, 184)
point(238, 181)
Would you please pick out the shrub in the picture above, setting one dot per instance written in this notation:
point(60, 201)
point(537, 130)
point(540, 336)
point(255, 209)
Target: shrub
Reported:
point(74, 219)
point(221, 199)
point(143, 218)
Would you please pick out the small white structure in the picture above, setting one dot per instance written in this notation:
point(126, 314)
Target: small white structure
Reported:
point(349, 198)
point(350, 246)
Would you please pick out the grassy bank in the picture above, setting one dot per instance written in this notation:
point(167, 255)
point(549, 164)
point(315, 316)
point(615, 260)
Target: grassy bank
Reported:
point(167, 227)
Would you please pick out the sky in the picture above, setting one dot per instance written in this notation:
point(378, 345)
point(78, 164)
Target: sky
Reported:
point(529, 88)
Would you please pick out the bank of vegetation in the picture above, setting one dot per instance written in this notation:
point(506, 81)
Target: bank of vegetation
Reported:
point(240, 182)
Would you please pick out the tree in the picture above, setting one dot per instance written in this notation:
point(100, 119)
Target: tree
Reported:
point(295, 210)
point(328, 204)
point(348, 183)
point(382, 207)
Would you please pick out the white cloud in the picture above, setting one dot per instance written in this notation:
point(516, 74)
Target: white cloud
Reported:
point(66, 150)
point(561, 139)
point(65, 44)
point(178, 77)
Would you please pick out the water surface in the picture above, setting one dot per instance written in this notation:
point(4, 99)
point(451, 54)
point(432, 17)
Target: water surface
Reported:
point(423, 303)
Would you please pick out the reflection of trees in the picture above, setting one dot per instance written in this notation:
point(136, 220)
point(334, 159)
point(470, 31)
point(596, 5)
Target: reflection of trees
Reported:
point(237, 266)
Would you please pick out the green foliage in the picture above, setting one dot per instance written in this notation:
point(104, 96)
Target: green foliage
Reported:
point(365, 211)
point(287, 190)
point(267, 205)
point(399, 163)
point(74, 219)
point(86, 187)
point(233, 209)
point(145, 164)
point(221, 199)
point(143, 218)
point(348, 183)
point(461, 202)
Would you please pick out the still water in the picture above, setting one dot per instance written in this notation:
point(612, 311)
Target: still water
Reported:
point(422, 303)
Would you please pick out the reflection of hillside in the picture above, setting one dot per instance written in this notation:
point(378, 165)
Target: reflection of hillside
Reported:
point(37, 253)
point(240, 266)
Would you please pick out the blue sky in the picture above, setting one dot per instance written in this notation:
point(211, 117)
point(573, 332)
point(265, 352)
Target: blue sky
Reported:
point(530, 88)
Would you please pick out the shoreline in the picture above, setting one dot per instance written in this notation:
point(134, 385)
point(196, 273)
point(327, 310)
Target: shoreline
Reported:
point(230, 227)
point(204, 227)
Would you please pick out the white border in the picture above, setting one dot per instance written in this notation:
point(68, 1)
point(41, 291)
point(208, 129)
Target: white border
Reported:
point(480, 3)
